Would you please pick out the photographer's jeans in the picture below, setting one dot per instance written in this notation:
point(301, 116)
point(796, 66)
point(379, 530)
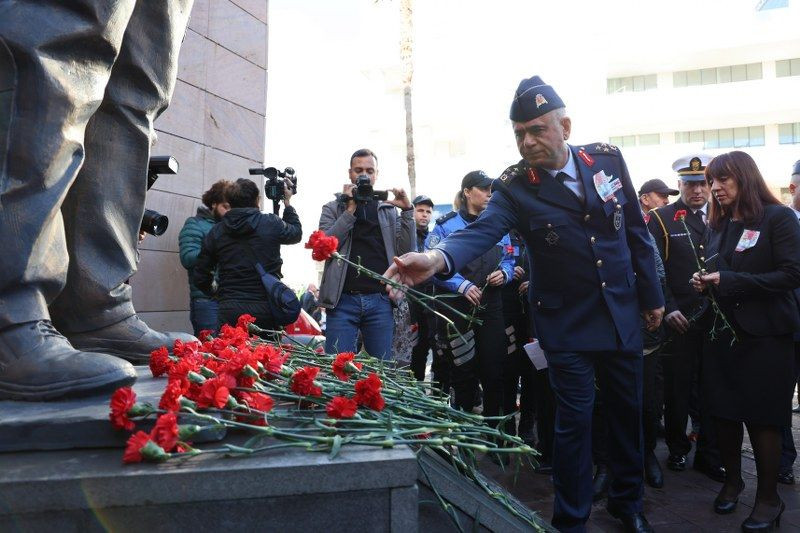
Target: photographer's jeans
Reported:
point(203, 314)
point(369, 313)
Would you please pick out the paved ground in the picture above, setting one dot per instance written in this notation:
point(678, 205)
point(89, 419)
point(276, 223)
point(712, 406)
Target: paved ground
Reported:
point(683, 505)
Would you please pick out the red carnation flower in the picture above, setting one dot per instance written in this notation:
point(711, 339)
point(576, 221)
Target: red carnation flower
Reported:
point(343, 365)
point(189, 363)
point(215, 391)
point(510, 250)
point(165, 432)
point(121, 402)
point(341, 407)
point(368, 392)
point(244, 321)
point(321, 245)
point(160, 362)
point(205, 334)
point(170, 400)
point(303, 382)
point(680, 214)
point(258, 401)
point(133, 447)
point(182, 349)
point(271, 358)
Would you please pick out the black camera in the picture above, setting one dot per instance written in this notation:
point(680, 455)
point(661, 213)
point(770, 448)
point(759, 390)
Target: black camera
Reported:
point(363, 191)
point(276, 179)
point(154, 222)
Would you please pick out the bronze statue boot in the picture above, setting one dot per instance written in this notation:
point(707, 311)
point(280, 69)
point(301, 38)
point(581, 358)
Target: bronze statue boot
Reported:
point(37, 363)
point(131, 339)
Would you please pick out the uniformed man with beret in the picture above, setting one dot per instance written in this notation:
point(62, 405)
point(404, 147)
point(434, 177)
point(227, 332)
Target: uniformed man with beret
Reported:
point(592, 274)
point(686, 313)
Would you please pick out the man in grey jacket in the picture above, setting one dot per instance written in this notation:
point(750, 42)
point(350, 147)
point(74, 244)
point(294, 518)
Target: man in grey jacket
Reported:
point(372, 233)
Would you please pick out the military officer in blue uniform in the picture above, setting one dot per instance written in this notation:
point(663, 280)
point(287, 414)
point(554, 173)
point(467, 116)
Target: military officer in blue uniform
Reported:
point(592, 274)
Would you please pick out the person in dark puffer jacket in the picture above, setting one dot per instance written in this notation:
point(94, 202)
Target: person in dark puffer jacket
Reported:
point(202, 309)
point(245, 235)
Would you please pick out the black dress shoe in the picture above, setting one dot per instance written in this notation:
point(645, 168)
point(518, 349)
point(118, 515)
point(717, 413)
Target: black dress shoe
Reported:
point(796, 409)
point(755, 525)
point(600, 483)
point(787, 478)
point(632, 523)
point(723, 506)
point(652, 471)
point(717, 473)
point(676, 462)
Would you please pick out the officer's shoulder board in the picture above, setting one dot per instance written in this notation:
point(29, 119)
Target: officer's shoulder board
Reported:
point(444, 218)
point(510, 173)
point(600, 148)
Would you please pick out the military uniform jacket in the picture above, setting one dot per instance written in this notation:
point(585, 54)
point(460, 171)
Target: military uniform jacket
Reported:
point(679, 260)
point(592, 265)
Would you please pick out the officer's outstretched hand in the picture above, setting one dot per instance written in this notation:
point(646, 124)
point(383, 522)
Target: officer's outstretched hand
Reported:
point(652, 318)
point(413, 268)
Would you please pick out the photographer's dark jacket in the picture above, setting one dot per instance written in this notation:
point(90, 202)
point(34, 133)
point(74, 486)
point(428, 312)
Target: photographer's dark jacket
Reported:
point(190, 241)
point(398, 238)
point(225, 247)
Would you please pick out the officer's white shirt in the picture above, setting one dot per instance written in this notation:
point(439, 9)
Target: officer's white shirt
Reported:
point(572, 181)
point(796, 212)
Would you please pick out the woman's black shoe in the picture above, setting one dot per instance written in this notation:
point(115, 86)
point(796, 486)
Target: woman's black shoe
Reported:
point(754, 525)
point(722, 506)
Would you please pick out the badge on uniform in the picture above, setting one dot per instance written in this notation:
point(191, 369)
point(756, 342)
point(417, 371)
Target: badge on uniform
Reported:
point(433, 240)
point(551, 238)
point(606, 186)
point(617, 219)
point(748, 239)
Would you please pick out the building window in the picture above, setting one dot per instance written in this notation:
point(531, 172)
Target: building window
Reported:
point(724, 138)
point(787, 67)
point(646, 139)
point(631, 84)
point(763, 5)
point(789, 133)
point(712, 76)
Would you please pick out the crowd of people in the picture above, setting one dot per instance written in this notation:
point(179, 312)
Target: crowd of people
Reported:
point(563, 252)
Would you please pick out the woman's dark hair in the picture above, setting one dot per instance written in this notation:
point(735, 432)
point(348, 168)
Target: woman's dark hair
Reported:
point(243, 193)
point(217, 194)
point(753, 192)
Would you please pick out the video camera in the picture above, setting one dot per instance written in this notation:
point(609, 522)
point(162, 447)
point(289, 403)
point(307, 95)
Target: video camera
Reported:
point(363, 191)
point(154, 222)
point(276, 179)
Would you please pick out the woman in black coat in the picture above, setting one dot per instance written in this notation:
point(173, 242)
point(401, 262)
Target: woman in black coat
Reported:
point(750, 381)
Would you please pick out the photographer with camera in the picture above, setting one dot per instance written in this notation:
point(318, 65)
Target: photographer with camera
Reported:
point(369, 230)
point(202, 309)
point(244, 239)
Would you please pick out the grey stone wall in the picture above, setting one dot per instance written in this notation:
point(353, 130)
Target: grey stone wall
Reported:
point(215, 128)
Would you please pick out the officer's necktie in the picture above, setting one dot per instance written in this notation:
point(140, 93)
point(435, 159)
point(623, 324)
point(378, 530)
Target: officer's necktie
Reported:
point(562, 177)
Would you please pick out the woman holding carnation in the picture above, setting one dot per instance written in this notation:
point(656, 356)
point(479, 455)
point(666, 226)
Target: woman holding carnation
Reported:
point(754, 253)
point(474, 352)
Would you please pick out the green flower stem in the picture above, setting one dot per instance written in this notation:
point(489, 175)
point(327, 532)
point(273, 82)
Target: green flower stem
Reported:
point(718, 314)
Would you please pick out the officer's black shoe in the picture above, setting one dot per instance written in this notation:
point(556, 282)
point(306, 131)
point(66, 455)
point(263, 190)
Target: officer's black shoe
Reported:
point(37, 364)
point(676, 462)
point(726, 506)
point(633, 522)
point(600, 483)
point(131, 339)
point(796, 409)
point(787, 478)
point(715, 472)
point(652, 471)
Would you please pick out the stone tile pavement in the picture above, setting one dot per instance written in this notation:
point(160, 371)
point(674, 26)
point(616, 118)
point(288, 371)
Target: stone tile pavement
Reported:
point(683, 505)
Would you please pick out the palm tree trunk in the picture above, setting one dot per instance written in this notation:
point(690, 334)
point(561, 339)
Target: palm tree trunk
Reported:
point(406, 56)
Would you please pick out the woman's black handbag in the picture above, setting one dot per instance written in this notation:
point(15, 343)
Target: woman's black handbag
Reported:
point(282, 300)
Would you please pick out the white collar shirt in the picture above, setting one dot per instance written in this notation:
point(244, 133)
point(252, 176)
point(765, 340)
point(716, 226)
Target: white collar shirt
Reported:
point(572, 181)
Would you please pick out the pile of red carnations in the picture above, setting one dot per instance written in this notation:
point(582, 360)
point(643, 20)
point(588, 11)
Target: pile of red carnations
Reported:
point(274, 396)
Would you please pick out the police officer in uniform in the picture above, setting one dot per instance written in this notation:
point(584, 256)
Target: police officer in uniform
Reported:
point(687, 313)
point(592, 273)
point(473, 355)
